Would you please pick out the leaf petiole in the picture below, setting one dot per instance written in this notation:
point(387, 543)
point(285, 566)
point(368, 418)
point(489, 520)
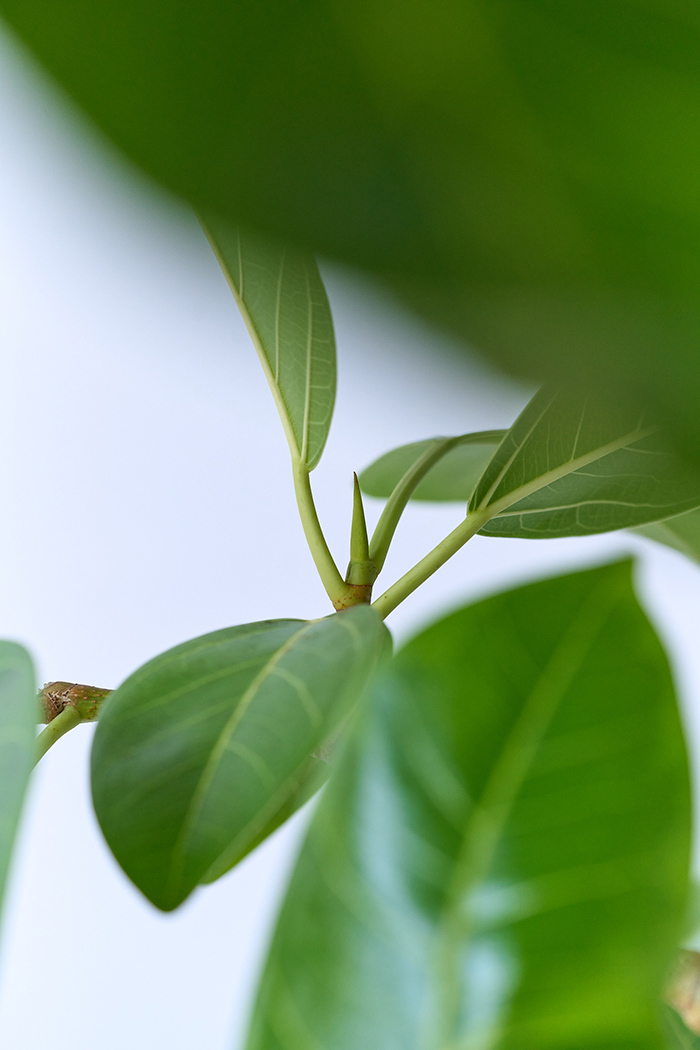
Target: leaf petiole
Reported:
point(340, 593)
point(433, 561)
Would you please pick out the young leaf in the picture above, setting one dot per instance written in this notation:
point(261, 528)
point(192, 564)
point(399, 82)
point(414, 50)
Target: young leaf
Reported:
point(501, 858)
point(199, 750)
point(570, 466)
point(285, 308)
point(682, 533)
point(19, 715)
point(451, 477)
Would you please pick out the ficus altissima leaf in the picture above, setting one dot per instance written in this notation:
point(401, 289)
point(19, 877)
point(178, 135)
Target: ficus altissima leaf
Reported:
point(571, 467)
point(681, 532)
point(526, 172)
point(501, 858)
point(200, 750)
point(19, 714)
point(285, 307)
point(458, 465)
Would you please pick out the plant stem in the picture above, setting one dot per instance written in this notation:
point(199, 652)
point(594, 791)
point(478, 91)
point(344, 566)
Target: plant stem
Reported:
point(425, 568)
point(61, 724)
point(336, 588)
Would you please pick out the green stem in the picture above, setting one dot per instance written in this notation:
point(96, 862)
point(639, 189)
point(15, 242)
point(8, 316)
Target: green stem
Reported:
point(336, 587)
point(396, 504)
point(425, 568)
point(68, 719)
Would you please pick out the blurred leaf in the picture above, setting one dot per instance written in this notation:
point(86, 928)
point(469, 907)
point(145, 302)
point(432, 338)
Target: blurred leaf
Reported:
point(199, 750)
point(19, 715)
point(501, 858)
point(286, 311)
point(452, 477)
point(678, 1037)
point(526, 173)
point(682, 533)
point(570, 466)
point(683, 995)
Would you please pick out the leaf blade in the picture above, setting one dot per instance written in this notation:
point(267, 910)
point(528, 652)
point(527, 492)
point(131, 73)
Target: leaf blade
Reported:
point(18, 718)
point(198, 751)
point(451, 479)
point(571, 466)
point(431, 908)
point(682, 533)
point(281, 296)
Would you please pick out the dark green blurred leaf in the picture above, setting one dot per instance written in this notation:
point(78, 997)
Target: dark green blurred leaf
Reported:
point(682, 533)
point(524, 172)
point(19, 714)
point(196, 754)
point(570, 466)
point(501, 858)
point(452, 477)
point(285, 308)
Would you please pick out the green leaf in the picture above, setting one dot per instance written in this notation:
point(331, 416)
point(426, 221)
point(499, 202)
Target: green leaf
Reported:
point(682, 533)
point(451, 478)
point(678, 1037)
point(19, 715)
point(309, 782)
point(501, 858)
point(526, 173)
point(570, 466)
point(201, 748)
point(285, 307)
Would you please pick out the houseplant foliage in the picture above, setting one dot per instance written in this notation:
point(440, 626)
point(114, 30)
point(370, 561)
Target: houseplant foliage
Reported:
point(524, 173)
point(501, 856)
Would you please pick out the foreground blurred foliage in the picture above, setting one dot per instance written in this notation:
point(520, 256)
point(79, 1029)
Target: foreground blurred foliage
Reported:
point(501, 857)
point(524, 172)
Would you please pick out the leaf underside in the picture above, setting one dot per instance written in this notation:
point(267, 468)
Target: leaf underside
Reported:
point(200, 752)
point(571, 466)
point(18, 719)
point(451, 479)
point(682, 533)
point(501, 857)
point(284, 304)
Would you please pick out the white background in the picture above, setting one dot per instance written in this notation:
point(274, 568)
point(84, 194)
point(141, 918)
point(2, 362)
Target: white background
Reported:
point(146, 499)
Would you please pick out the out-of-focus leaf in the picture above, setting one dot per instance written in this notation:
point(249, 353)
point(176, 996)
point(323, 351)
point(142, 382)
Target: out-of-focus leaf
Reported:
point(571, 467)
point(451, 478)
point(199, 750)
point(683, 995)
point(285, 307)
point(678, 1036)
point(19, 714)
point(682, 533)
point(526, 173)
point(501, 858)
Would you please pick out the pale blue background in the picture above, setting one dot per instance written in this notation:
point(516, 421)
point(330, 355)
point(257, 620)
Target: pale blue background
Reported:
point(146, 499)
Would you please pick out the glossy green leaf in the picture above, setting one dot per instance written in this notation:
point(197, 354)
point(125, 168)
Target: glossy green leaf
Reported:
point(311, 780)
point(526, 173)
point(501, 858)
point(198, 751)
point(451, 478)
point(570, 466)
point(682, 533)
point(285, 307)
point(19, 714)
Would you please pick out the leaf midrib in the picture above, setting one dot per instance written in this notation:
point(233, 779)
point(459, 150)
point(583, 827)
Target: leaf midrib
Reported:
point(485, 824)
point(212, 764)
point(492, 510)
